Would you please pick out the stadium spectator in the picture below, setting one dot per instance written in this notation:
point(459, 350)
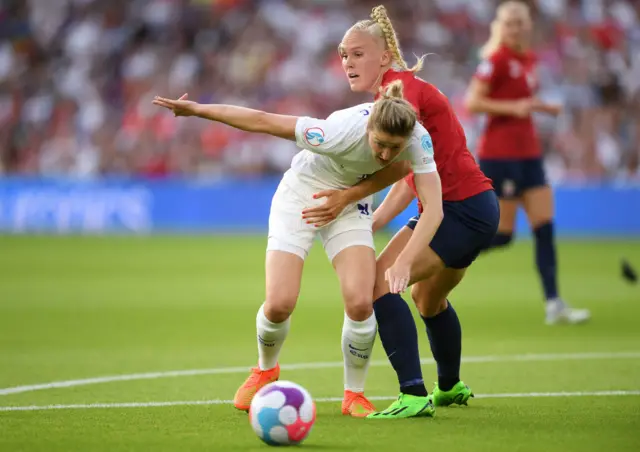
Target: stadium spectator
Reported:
point(76, 78)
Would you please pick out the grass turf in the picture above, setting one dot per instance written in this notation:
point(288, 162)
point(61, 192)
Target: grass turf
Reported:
point(82, 307)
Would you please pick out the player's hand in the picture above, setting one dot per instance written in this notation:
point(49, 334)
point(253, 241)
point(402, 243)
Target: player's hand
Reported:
point(550, 109)
point(523, 107)
point(324, 214)
point(398, 276)
point(179, 107)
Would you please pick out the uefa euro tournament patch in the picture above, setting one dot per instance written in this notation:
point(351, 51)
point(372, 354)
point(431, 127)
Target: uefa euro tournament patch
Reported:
point(426, 142)
point(314, 136)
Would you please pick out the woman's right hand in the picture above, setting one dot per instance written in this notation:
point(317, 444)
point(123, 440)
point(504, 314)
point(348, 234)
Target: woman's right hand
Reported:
point(322, 215)
point(523, 107)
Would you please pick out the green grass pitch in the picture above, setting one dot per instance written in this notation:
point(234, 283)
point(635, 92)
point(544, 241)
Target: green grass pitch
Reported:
point(76, 308)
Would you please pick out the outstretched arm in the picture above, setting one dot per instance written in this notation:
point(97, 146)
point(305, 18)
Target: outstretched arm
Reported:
point(242, 118)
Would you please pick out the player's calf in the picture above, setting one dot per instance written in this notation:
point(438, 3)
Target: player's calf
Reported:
point(358, 338)
point(270, 337)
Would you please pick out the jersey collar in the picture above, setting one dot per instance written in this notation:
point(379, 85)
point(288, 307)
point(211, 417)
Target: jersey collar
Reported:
point(524, 56)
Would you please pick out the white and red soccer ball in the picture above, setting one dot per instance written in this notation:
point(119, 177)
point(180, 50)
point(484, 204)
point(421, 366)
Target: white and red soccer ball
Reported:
point(282, 413)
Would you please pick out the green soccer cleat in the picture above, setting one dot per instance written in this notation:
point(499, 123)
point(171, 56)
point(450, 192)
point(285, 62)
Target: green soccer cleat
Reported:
point(406, 406)
point(459, 394)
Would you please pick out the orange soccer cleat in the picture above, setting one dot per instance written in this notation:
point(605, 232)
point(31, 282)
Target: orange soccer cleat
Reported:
point(356, 404)
point(256, 381)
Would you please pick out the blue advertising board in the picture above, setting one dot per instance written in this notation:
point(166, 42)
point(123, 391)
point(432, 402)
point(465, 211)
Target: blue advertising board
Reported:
point(234, 205)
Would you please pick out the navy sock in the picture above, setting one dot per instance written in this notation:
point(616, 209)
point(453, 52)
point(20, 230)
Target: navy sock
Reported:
point(546, 259)
point(399, 338)
point(445, 338)
point(499, 240)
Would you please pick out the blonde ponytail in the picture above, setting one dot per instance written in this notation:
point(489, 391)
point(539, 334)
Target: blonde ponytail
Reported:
point(380, 17)
point(391, 113)
point(495, 39)
point(393, 90)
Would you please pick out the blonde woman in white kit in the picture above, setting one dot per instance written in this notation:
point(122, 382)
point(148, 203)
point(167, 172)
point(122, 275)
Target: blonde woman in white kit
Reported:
point(338, 152)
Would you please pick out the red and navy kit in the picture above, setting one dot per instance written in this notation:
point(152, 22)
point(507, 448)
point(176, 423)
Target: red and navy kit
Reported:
point(471, 212)
point(459, 172)
point(510, 76)
point(509, 150)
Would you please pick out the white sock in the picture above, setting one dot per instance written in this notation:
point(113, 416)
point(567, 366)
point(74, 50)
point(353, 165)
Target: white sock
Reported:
point(271, 336)
point(357, 345)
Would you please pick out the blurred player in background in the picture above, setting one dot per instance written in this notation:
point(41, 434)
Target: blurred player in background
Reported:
point(510, 152)
point(338, 152)
point(369, 50)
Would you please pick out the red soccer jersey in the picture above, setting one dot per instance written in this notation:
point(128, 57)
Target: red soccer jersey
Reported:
point(460, 175)
point(510, 76)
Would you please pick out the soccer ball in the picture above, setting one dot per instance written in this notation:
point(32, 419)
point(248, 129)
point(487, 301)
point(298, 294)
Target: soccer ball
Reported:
point(282, 413)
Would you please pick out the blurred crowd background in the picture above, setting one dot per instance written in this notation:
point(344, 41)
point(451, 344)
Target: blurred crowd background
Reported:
point(77, 78)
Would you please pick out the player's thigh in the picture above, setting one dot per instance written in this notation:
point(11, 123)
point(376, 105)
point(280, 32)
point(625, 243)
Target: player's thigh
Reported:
point(428, 263)
point(537, 196)
point(287, 230)
point(468, 226)
point(283, 272)
point(430, 295)
point(386, 259)
point(508, 212)
point(348, 243)
point(355, 266)
point(506, 176)
point(289, 242)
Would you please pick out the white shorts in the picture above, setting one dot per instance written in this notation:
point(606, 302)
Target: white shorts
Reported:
point(289, 232)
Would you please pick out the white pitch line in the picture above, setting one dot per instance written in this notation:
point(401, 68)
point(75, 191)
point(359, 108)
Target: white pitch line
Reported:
point(320, 400)
point(317, 365)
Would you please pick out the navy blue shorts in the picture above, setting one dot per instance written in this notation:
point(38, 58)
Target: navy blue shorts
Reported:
point(468, 226)
point(511, 178)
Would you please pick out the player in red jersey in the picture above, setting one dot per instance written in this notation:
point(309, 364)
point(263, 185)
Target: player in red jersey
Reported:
point(509, 150)
point(372, 59)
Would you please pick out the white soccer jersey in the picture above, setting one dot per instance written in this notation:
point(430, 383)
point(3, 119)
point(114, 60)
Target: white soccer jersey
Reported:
point(336, 152)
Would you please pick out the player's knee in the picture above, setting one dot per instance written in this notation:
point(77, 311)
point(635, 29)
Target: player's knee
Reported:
point(420, 298)
point(429, 304)
point(436, 307)
point(358, 306)
point(279, 308)
point(430, 307)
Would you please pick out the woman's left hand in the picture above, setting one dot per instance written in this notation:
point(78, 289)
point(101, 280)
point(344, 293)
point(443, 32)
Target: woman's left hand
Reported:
point(398, 276)
point(544, 107)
